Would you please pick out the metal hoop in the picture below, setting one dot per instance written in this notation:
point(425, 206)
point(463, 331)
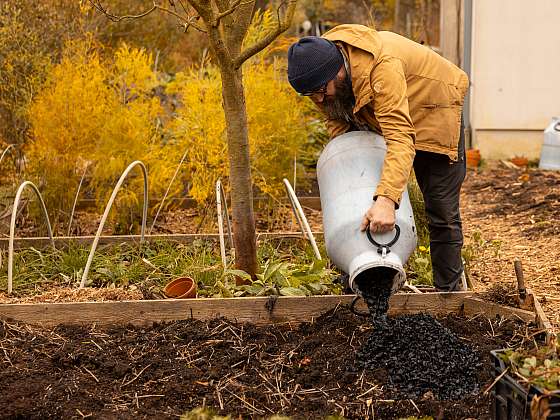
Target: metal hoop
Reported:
point(108, 208)
point(300, 216)
point(221, 199)
point(13, 226)
point(383, 249)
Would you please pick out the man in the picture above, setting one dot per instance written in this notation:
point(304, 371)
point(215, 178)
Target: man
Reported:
point(362, 79)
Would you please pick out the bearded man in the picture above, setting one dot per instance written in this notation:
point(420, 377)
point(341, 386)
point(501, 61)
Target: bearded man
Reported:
point(362, 79)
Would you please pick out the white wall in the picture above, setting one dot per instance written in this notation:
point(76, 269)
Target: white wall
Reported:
point(515, 74)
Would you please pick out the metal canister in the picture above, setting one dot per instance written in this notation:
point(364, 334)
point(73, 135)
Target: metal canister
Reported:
point(348, 171)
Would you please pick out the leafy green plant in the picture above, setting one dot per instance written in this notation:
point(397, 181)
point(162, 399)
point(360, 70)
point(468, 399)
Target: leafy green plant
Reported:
point(277, 278)
point(419, 266)
point(288, 271)
point(539, 366)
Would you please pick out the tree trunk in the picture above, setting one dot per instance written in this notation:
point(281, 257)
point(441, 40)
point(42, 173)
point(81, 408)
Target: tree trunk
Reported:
point(244, 235)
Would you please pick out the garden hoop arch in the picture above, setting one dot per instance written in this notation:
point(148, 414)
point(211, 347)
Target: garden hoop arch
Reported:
point(221, 197)
point(300, 216)
point(108, 208)
point(13, 226)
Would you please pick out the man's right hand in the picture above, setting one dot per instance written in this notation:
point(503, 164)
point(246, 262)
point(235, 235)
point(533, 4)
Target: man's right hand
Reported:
point(380, 216)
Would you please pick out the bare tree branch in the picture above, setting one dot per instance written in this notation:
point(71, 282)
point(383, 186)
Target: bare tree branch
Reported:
point(204, 9)
point(271, 36)
point(98, 6)
point(185, 8)
point(186, 21)
point(191, 22)
point(234, 6)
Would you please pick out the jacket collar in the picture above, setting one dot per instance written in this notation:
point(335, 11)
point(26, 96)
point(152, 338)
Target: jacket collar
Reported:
point(362, 57)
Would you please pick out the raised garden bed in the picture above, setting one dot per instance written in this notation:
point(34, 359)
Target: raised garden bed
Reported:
point(308, 370)
point(253, 356)
point(256, 310)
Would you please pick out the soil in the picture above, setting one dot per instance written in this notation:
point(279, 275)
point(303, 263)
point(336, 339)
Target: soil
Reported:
point(502, 294)
point(533, 196)
point(306, 371)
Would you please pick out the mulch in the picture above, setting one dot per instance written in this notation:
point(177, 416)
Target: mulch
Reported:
point(514, 214)
point(306, 371)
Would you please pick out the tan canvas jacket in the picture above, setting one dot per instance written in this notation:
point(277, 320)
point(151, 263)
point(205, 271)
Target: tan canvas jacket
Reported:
point(404, 91)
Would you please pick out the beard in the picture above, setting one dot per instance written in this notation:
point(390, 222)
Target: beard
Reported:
point(340, 106)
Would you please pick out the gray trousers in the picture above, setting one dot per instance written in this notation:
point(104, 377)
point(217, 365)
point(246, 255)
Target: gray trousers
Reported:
point(440, 181)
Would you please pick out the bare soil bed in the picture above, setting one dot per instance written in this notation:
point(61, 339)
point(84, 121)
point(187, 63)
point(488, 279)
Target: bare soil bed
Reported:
point(306, 371)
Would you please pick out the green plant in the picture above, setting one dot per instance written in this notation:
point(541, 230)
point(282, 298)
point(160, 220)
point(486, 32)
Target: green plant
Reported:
point(496, 246)
point(539, 366)
point(419, 266)
point(203, 413)
point(286, 279)
point(474, 248)
point(287, 268)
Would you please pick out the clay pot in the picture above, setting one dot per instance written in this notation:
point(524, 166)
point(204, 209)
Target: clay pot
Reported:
point(519, 161)
point(181, 288)
point(473, 158)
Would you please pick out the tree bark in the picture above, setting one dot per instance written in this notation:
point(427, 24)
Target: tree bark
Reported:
point(239, 170)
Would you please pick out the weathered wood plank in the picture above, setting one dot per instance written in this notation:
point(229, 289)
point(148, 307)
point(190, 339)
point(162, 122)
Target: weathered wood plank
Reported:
point(64, 241)
point(542, 319)
point(473, 306)
point(450, 25)
point(251, 309)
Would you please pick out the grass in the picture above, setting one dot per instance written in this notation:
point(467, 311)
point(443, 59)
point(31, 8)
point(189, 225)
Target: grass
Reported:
point(287, 267)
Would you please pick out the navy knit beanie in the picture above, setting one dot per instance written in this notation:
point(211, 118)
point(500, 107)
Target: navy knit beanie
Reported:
point(312, 62)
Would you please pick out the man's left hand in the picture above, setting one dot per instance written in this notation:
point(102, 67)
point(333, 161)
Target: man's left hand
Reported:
point(380, 216)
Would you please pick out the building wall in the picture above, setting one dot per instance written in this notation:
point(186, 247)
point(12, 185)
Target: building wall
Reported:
point(515, 75)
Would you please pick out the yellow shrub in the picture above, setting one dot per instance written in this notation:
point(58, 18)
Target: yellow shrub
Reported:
point(32, 34)
point(103, 113)
point(99, 115)
point(277, 126)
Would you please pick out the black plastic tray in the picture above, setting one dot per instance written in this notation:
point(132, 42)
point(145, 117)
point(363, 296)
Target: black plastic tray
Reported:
point(512, 401)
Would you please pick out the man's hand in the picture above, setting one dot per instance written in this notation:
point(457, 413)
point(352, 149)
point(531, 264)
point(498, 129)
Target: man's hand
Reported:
point(380, 216)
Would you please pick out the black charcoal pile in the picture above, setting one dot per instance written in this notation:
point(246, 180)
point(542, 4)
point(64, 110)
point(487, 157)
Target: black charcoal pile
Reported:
point(421, 358)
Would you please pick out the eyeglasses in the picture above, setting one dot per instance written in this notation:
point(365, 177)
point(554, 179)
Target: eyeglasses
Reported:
point(322, 90)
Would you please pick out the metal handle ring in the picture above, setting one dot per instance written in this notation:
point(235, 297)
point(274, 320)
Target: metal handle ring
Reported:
point(388, 244)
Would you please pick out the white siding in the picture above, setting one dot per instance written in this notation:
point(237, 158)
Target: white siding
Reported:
point(515, 67)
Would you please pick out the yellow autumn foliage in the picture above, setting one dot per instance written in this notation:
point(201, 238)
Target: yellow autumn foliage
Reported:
point(99, 112)
point(276, 127)
point(95, 116)
point(31, 38)
point(276, 120)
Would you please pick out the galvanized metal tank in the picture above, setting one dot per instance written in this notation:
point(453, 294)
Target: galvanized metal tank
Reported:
point(550, 153)
point(348, 172)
